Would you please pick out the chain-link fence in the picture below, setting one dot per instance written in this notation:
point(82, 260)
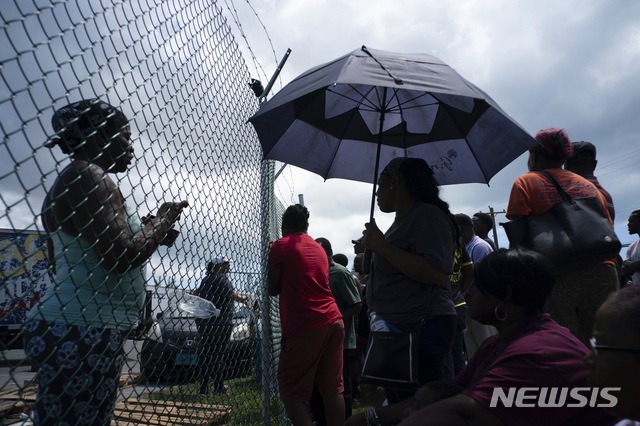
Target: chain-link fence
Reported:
point(175, 71)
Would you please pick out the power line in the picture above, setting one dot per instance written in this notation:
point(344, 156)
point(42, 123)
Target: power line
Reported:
point(620, 168)
point(627, 210)
point(615, 161)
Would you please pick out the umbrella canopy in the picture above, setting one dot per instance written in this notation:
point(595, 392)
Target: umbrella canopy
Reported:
point(344, 118)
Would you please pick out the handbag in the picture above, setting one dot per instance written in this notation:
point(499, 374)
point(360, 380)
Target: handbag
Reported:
point(391, 360)
point(573, 234)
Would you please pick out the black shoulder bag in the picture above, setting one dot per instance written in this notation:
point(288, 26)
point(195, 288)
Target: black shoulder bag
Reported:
point(391, 360)
point(573, 234)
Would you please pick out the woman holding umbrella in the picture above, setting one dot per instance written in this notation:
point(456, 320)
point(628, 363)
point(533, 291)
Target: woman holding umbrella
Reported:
point(411, 263)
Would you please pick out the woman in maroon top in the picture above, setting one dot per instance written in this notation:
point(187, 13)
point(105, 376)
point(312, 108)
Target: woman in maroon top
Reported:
point(531, 356)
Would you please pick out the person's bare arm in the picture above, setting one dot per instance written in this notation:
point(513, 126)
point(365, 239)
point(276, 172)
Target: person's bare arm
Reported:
point(392, 414)
point(352, 311)
point(98, 214)
point(387, 415)
point(630, 266)
point(459, 410)
point(239, 298)
point(467, 276)
point(412, 265)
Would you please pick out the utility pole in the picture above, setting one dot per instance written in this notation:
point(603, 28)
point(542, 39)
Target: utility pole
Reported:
point(493, 214)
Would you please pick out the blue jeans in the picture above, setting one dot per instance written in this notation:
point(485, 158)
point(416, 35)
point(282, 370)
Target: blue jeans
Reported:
point(436, 341)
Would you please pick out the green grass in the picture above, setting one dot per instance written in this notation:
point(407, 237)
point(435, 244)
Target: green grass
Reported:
point(244, 396)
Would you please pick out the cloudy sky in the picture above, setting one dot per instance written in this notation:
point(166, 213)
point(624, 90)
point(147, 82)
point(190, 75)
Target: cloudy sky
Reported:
point(569, 64)
point(174, 69)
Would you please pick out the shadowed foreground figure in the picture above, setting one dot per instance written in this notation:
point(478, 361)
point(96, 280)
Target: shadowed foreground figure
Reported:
point(615, 352)
point(631, 265)
point(530, 350)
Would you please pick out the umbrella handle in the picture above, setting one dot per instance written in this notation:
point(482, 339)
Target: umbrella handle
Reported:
point(373, 200)
point(378, 150)
point(366, 262)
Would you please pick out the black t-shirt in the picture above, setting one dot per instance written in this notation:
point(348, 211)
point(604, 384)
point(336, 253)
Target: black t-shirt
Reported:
point(217, 289)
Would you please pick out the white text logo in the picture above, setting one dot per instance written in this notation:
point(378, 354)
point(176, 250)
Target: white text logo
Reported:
point(554, 397)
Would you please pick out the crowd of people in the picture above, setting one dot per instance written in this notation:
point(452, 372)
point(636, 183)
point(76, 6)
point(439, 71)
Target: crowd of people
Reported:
point(489, 321)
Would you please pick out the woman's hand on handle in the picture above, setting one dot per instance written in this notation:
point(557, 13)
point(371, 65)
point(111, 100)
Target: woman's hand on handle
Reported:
point(373, 238)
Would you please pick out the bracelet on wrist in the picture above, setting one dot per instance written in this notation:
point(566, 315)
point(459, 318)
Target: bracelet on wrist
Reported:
point(372, 417)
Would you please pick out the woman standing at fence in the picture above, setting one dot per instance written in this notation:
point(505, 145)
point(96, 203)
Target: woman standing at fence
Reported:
point(408, 284)
point(97, 250)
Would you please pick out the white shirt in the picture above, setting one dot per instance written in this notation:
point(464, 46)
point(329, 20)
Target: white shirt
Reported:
point(478, 249)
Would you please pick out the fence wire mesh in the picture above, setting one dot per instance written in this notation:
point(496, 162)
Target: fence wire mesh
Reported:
point(174, 69)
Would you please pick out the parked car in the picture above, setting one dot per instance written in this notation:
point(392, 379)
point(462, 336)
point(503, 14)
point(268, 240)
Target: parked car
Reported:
point(170, 350)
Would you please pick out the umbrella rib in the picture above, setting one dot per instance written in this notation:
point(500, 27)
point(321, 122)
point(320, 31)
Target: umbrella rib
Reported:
point(402, 120)
point(446, 107)
point(358, 102)
point(421, 95)
point(366, 104)
point(351, 114)
point(395, 79)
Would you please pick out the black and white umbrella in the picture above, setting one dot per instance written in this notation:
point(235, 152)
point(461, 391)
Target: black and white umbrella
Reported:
point(344, 118)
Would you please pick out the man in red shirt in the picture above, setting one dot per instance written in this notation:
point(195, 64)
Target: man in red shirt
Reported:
point(312, 326)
